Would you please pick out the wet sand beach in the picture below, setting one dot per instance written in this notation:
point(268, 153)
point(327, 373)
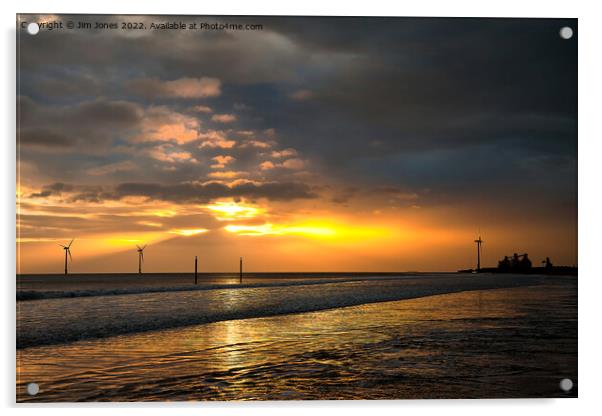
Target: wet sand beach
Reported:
point(513, 341)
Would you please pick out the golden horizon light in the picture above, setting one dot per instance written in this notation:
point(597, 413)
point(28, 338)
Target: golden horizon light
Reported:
point(230, 211)
point(187, 232)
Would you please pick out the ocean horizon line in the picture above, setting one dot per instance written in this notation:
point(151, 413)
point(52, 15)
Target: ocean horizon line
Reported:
point(238, 273)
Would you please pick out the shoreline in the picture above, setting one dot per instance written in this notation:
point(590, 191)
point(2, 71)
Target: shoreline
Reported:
point(371, 351)
point(59, 321)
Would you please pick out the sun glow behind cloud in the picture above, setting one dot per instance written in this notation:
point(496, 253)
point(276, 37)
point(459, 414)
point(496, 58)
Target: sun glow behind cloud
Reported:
point(230, 211)
point(322, 230)
point(163, 213)
point(187, 232)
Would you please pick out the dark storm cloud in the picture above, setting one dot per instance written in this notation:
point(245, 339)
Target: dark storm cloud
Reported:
point(45, 137)
point(90, 123)
point(70, 192)
point(242, 57)
point(423, 83)
point(414, 102)
point(441, 103)
point(181, 193)
point(53, 189)
point(67, 85)
point(205, 192)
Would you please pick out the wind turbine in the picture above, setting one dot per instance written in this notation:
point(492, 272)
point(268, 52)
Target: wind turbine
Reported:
point(140, 257)
point(479, 242)
point(67, 252)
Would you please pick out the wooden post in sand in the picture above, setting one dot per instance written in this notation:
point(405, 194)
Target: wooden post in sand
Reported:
point(196, 261)
point(241, 270)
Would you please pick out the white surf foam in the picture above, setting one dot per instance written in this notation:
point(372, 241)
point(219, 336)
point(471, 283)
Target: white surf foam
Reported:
point(60, 320)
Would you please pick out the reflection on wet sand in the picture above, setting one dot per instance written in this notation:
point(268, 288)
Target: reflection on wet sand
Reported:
point(493, 343)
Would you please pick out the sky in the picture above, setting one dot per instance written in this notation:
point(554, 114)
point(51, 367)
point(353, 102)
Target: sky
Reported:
point(307, 144)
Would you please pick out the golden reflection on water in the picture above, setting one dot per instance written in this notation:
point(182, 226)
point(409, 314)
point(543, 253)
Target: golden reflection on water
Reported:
point(401, 349)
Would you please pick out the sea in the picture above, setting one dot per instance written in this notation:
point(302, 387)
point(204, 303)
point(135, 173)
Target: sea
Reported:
point(295, 336)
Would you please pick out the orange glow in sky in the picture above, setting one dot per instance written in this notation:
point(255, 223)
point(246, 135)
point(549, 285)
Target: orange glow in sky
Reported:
point(296, 162)
point(270, 236)
point(228, 211)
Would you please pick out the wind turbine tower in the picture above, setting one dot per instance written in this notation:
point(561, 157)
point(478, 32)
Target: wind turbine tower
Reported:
point(479, 242)
point(140, 257)
point(67, 252)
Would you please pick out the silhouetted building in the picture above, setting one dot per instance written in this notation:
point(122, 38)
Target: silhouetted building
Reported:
point(518, 263)
point(547, 264)
point(525, 264)
point(515, 261)
point(521, 263)
point(504, 265)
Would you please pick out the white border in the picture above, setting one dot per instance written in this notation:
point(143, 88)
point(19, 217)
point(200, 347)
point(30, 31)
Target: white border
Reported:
point(590, 152)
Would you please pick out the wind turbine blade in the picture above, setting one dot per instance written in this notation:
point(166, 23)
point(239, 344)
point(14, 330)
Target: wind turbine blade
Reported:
point(138, 247)
point(144, 247)
point(142, 256)
point(71, 242)
point(69, 251)
point(62, 246)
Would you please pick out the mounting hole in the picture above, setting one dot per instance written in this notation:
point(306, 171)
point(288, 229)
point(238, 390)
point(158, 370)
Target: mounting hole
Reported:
point(566, 384)
point(33, 389)
point(33, 28)
point(566, 32)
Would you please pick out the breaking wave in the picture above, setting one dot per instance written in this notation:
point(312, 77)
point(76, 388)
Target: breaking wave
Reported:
point(25, 295)
point(61, 320)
